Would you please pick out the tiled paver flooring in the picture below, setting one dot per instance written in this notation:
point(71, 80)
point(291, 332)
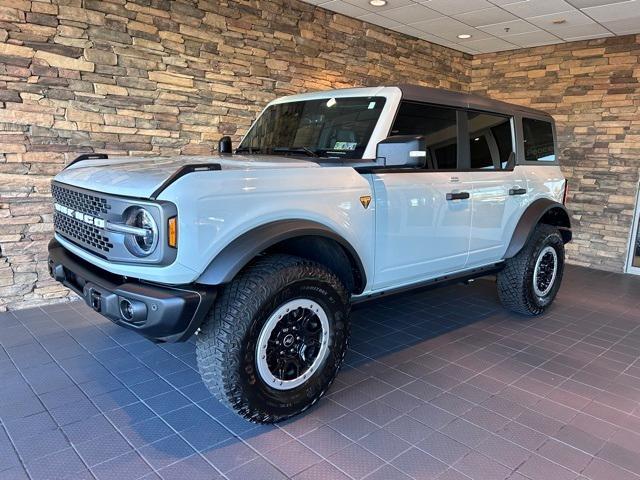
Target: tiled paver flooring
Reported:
point(438, 384)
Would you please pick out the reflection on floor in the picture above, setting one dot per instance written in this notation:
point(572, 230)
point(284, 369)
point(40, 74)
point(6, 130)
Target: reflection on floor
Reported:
point(439, 384)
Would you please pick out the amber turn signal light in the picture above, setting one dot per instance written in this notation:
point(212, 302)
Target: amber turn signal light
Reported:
point(173, 232)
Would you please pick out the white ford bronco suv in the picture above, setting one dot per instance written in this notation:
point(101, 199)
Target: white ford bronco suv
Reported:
point(331, 198)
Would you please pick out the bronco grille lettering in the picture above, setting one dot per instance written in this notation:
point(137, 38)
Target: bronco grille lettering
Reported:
point(83, 217)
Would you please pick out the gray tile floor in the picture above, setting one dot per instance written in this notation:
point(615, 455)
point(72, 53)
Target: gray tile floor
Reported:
point(438, 384)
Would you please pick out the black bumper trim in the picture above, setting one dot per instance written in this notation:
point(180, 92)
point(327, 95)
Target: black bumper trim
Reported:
point(161, 313)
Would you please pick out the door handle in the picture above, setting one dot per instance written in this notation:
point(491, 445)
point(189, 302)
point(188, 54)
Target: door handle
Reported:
point(517, 191)
point(458, 196)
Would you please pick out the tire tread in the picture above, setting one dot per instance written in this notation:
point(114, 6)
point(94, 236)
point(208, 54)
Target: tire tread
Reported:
point(511, 280)
point(220, 340)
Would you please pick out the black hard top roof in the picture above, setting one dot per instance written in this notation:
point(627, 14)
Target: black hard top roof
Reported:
point(452, 98)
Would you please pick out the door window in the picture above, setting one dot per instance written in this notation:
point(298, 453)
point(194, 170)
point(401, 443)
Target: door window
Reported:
point(538, 141)
point(480, 152)
point(439, 127)
point(490, 141)
point(503, 135)
point(490, 136)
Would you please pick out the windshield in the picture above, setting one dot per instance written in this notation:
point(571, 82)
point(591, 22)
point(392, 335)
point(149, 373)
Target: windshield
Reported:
point(331, 127)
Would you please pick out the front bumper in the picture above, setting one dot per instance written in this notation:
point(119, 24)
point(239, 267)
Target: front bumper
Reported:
point(161, 313)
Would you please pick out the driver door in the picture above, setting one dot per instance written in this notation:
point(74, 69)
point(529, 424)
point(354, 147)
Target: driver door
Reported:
point(423, 216)
point(419, 233)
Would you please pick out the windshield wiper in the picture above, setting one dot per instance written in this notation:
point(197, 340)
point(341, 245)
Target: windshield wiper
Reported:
point(248, 150)
point(305, 150)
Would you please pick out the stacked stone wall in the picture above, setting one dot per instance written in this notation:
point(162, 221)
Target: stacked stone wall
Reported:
point(592, 90)
point(160, 77)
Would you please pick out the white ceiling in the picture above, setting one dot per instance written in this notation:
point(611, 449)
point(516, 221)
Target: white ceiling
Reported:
point(496, 25)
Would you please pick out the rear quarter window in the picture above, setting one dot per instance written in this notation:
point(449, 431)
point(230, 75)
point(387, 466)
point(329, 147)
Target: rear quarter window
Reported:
point(538, 140)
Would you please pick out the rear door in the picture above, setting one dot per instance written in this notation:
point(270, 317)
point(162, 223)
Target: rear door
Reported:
point(499, 187)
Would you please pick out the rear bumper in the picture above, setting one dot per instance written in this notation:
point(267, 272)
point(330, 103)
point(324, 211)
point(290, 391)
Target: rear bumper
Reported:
point(161, 313)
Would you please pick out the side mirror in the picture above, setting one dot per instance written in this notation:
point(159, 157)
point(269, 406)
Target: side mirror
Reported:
point(511, 162)
point(225, 145)
point(402, 151)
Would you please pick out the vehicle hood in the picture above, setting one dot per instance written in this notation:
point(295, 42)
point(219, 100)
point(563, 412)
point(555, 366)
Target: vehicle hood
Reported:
point(141, 176)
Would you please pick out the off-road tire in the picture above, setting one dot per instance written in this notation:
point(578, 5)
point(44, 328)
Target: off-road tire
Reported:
point(226, 344)
point(515, 281)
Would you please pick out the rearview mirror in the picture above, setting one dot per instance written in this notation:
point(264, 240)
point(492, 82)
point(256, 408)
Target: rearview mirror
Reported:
point(402, 151)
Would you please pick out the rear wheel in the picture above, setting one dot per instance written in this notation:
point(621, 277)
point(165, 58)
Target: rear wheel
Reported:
point(529, 282)
point(275, 339)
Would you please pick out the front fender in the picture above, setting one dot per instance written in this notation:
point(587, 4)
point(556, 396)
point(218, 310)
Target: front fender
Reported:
point(541, 210)
point(238, 253)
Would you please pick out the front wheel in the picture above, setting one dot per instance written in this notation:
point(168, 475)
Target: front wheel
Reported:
point(529, 282)
point(275, 339)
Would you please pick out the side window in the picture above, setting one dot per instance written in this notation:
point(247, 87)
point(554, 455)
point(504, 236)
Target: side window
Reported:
point(439, 127)
point(490, 140)
point(538, 141)
point(503, 136)
point(479, 152)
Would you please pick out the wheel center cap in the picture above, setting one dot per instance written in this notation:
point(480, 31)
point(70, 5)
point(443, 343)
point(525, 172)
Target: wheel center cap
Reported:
point(288, 340)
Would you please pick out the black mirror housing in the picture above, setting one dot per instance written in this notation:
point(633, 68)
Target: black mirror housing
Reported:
point(402, 151)
point(225, 145)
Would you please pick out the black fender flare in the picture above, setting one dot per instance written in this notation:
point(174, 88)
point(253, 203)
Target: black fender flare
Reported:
point(237, 254)
point(538, 211)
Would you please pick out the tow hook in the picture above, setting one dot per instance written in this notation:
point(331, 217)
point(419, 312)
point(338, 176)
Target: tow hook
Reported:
point(96, 300)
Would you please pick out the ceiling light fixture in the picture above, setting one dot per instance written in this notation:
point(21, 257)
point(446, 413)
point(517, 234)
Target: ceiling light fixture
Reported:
point(377, 3)
point(464, 36)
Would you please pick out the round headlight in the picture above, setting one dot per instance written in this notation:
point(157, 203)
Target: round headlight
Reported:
point(144, 243)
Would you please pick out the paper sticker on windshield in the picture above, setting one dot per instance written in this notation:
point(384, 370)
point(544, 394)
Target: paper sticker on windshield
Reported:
point(345, 146)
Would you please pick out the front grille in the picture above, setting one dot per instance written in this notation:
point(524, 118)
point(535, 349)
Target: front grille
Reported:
point(83, 202)
point(79, 232)
point(83, 217)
